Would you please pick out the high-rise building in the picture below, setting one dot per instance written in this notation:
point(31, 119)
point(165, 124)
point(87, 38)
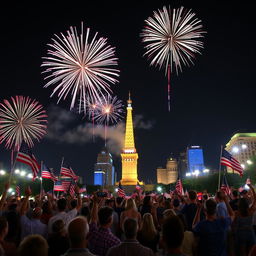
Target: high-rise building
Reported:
point(243, 147)
point(183, 164)
point(169, 174)
point(195, 160)
point(105, 164)
point(99, 178)
point(129, 155)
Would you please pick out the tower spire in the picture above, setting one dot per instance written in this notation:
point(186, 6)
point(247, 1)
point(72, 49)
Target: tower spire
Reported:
point(129, 155)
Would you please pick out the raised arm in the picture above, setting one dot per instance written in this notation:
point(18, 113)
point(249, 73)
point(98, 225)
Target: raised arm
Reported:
point(3, 198)
point(253, 206)
point(197, 216)
point(79, 200)
point(24, 204)
point(94, 213)
point(230, 211)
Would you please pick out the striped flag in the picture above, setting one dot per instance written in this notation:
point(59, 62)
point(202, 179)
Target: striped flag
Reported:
point(228, 160)
point(17, 190)
point(47, 173)
point(25, 156)
point(82, 189)
point(66, 183)
point(179, 187)
point(67, 171)
point(120, 191)
point(224, 186)
point(58, 186)
point(71, 189)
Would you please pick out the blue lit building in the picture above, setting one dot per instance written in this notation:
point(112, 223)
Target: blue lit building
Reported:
point(105, 165)
point(195, 160)
point(99, 178)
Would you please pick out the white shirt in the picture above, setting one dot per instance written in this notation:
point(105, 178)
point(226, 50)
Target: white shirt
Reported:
point(65, 216)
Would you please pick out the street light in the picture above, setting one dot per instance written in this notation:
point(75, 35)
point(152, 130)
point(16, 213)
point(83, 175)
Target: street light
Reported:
point(244, 146)
point(17, 171)
point(29, 176)
point(249, 162)
point(206, 170)
point(243, 166)
point(10, 190)
point(159, 189)
point(2, 172)
point(235, 149)
point(188, 174)
point(22, 173)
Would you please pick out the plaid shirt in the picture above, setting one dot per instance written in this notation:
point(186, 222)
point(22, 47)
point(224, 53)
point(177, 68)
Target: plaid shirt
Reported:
point(101, 239)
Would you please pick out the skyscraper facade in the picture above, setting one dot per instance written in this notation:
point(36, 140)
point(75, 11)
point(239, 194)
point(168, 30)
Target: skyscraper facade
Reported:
point(105, 165)
point(195, 159)
point(242, 146)
point(129, 155)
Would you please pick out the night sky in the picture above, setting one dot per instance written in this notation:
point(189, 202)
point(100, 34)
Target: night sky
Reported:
point(210, 101)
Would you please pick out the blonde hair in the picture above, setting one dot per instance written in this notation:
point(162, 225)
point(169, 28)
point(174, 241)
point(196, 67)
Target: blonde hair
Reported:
point(148, 229)
point(130, 204)
point(169, 213)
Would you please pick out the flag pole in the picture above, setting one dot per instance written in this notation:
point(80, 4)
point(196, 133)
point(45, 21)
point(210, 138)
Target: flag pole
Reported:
point(12, 169)
point(62, 161)
point(41, 180)
point(221, 148)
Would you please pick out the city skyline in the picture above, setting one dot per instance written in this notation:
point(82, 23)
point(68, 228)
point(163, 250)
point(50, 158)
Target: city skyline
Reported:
point(210, 101)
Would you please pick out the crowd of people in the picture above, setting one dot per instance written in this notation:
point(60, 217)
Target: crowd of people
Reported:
point(145, 225)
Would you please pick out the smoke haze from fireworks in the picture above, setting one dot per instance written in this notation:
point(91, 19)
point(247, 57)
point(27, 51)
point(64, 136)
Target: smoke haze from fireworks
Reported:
point(171, 36)
point(80, 66)
point(21, 119)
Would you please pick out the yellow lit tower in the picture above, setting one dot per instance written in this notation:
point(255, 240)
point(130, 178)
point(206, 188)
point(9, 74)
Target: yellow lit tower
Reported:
point(129, 155)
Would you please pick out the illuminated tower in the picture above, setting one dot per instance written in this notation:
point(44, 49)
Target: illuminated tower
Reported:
point(129, 155)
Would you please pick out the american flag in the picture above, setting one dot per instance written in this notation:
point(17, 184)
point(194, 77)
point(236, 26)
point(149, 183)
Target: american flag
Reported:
point(224, 186)
point(120, 191)
point(67, 171)
point(179, 187)
point(66, 183)
point(228, 160)
point(82, 189)
point(47, 173)
point(17, 190)
point(25, 156)
point(71, 189)
point(58, 186)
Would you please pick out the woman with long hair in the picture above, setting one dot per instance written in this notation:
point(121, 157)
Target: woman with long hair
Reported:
point(148, 235)
point(130, 212)
point(244, 236)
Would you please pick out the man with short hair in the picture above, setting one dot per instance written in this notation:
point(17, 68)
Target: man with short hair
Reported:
point(130, 246)
point(234, 202)
point(172, 236)
point(62, 214)
point(101, 238)
point(33, 225)
point(221, 209)
point(77, 232)
point(189, 209)
point(212, 231)
point(33, 245)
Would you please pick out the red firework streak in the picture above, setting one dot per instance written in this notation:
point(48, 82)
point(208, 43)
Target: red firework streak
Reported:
point(169, 87)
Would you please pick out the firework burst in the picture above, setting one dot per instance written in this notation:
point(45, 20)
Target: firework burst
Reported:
point(171, 37)
point(21, 119)
point(80, 66)
point(109, 110)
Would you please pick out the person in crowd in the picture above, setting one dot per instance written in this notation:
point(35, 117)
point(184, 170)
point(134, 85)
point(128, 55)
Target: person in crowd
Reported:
point(160, 208)
point(33, 245)
point(189, 209)
point(172, 236)
point(130, 246)
point(146, 205)
point(130, 212)
point(221, 209)
point(47, 211)
point(176, 205)
point(234, 202)
point(244, 236)
point(189, 243)
point(78, 230)
point(148, 235)
point(33, 225)
point(101, 238)
point(115, 225)
point(62, 214)
point(8, 248)
point(58, 240)
point(212, 231)
point(85, 212)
